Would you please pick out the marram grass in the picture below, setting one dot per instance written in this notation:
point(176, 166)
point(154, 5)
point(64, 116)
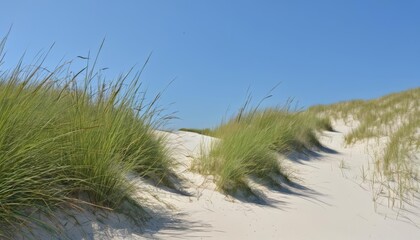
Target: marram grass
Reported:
point(394, 117)
point(250, 144)
point(64, 144)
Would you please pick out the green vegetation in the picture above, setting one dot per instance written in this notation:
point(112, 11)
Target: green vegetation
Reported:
point(67, 143)
point(396, 118)
point(251, 142)
point(64, 145)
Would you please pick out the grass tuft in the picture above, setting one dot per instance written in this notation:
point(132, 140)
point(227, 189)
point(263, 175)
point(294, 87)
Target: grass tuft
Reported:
point(251, 143)
point(66, 142)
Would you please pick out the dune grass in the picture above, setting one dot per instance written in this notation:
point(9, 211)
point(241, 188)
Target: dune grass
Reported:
point(251, 143)
point(65, 143)
point(395, 118)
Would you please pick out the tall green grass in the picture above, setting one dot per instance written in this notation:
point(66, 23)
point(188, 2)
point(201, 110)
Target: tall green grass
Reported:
point(65, 143)
point(251, 143)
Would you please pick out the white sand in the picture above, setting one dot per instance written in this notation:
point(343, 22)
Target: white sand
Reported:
point(330, 200)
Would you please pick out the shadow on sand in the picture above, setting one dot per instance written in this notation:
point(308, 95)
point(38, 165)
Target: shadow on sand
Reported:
point(310, 154)
point(253, 193)
point(92, 223)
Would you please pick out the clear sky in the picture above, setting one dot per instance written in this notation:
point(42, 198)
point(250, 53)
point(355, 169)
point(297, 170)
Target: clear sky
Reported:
point(320, 51)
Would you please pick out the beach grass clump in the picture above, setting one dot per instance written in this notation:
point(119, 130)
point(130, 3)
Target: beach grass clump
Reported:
point(394, 118)
point(30, 175)
point(323, 123)
point(65, 143)
point(111, 138)
point(250, 144)
point(398, 161)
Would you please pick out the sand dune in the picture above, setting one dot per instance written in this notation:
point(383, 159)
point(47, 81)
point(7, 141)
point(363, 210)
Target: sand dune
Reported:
point(330, 200)
point(332, 197)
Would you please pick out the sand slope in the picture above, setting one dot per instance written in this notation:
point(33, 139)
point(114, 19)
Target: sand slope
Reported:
point(330, 199)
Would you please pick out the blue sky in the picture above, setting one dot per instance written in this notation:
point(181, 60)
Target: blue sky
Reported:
point(321, 51)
